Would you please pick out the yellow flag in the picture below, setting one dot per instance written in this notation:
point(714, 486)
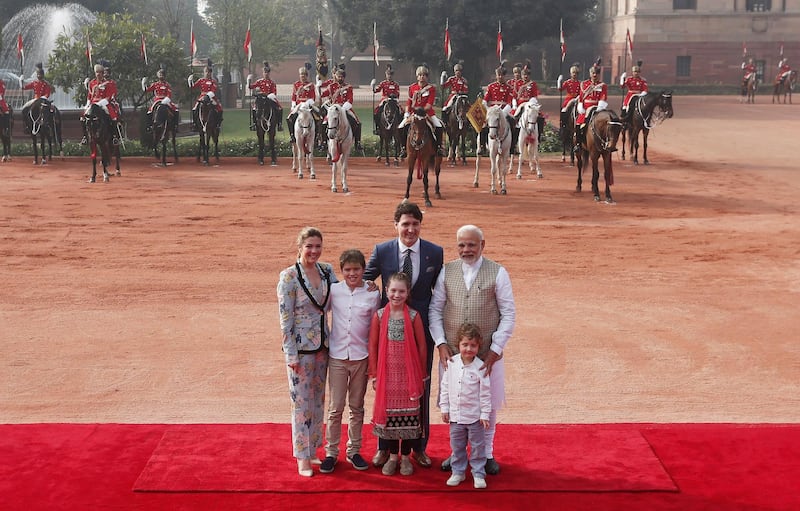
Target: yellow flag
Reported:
point(477, 115)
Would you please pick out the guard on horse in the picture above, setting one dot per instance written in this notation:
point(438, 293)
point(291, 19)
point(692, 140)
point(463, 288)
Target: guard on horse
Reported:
point(339, 92)
point(500, 93)
point(635, 85)
point(162, 94)
point(457, 85)
point(208, 87)
point(264, 86)
point(526, 90)
point(593, 97)
point(750, 70)
point(388, 89)
point(4, 109)
point(41, 92)
point(423, 95)
point(572, 87)
point(303, 92)
point(784, 70)
point(102, 91)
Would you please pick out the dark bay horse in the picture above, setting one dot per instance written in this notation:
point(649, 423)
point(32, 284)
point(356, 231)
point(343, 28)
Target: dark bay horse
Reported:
point(645, 112)
point(749, 89)
point(459, 129)
point(165, 128)
point(785, 87)
point(98, 127)
point(389, 118)
point(206, 121)
point(267, 120)
point(6, 128)
point(43, 122)
point(422, 154)
point(602, 132)
point(567, 131)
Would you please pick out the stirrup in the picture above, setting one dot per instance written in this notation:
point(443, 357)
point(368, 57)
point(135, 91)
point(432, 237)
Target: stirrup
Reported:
point(115, 140)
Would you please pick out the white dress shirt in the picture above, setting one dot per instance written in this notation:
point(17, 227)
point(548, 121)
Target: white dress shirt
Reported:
point(465, 391)
point(351, 314)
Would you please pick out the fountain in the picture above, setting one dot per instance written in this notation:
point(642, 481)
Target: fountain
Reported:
point(39, 25)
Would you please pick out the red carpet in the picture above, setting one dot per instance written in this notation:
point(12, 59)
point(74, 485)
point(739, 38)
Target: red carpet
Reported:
point(711, 467)
point(250, 458)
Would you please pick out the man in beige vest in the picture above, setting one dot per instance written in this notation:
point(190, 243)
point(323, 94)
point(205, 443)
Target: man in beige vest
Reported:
point(475, 289)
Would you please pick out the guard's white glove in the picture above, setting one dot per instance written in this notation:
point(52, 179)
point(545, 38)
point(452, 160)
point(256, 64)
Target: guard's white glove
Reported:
point(507, 109)
point(643, 93)
point(272, 96)
point(581, 110)
point(622, 78)
point(190, 80)
point(144, 83)
point(309, 102)
point(443, 78)
point(560, 79)
point(103, 102)
point(372, 84)
point(485, 104)
point(85, 83)
point(743, 65)
point(166, 101)
point(257, 90)
point(601, 105)
point(211, 94)
point(249, 79)
point(347, 105)
point(294, 104)
point(514, 103)
point(406, 115)
point(318, 83)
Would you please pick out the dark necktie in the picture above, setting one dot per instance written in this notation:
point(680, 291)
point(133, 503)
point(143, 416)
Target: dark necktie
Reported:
point(408, 269)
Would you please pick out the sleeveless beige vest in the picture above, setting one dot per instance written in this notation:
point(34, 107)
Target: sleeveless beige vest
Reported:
point(477, 305)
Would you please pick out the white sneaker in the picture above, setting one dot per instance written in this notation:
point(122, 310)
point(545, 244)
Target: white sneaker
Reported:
point(479, 483)
point(456, 479)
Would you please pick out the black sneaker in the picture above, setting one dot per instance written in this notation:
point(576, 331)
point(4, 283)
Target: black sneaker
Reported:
point(358, 462)
point(327, 465)
point(492, 467)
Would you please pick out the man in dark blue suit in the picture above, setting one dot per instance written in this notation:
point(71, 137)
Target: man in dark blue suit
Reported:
point(426, 262)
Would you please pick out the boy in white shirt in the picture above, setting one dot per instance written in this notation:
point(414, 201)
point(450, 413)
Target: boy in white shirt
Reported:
point(466, 402)
point(352, 307)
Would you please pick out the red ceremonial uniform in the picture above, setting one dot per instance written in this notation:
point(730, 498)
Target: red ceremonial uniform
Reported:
point(748, 70)
point(160, 91)
point(591, 94)
point(265, 85)
point(3, 104)
point(339, 93)
point(782, 69)
point(499, 94)
point(105, 89)
point(41, 89)
point(634, 86)
point(421, 97)
point(457, 86)
point(526, 91)
point(302, 91)
point(207, 85)
point(388, 89)
point(572, 88)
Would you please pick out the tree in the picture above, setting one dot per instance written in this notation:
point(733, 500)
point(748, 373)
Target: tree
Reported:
point(117, 38)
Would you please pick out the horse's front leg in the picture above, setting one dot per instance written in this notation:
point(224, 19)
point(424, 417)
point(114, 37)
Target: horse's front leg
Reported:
point(463, 150)
point(645, 132)
point(477, 168)
point(174, 147)
point(343, 172)
point(635, 146)
point(607, 162)
point(622, 154)
point(534, 159)
point(596, 177)
point(412, 162)
point(579, 166)
point(310, 157)
point(425, 184)
point(216, 148)
point(504, 172)
point(333, 176)
point(438, 170)
point(273, 151)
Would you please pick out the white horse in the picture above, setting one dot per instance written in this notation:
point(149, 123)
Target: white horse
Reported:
point(340, 141)
point(499, 148)
point(303, 148)
point(528, 143)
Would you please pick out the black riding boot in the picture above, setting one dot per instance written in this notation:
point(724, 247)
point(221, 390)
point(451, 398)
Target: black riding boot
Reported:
point(512, 122)
point(484, 142)
point(403, 141)
point(440, 142)
point(195, 119)
point(290, 122)
point(252, 120)
point(280, 119)
point(540, 125)
point(85, 139)
point(580, 137)
point(376, 118)
point(356, 127)
point(149, 127)
point(115, 132)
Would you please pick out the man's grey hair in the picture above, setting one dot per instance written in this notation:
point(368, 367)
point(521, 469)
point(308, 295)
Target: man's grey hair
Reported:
point(469, 229)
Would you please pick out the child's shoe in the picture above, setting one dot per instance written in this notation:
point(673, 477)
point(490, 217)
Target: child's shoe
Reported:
point(455, 479)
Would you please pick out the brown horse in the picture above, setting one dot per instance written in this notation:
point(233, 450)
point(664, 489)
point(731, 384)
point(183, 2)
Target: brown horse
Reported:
point(749, 87)
point(785, 87)
point(602, 132)
point(645, 112)
point(422, 154)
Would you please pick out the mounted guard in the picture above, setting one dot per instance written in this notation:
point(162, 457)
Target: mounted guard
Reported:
point(500, 93)
point(593, 98)
point(264, 86)
point(784, 70)
point(208, 87)
point(303, 92)
point(102, 91)
point(162, 94)
point(339, 92)
point(571, 87)
point(635, 86)
point(423, 95)
point(749, 69)
point(527, 90)
point(388, 89)
point(456, 84)
point(41, 91)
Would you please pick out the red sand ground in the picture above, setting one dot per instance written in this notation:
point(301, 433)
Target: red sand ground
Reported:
point(152, 298)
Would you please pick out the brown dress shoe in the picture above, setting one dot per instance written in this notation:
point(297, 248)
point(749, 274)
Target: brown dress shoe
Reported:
point(422, 459)
point(380, 458)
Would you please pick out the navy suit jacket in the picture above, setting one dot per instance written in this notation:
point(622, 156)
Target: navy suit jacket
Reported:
point(385, 260)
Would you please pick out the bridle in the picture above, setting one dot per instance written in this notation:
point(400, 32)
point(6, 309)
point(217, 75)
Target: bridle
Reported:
point(604, 142)
point(418, 142)
point(501, 129)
